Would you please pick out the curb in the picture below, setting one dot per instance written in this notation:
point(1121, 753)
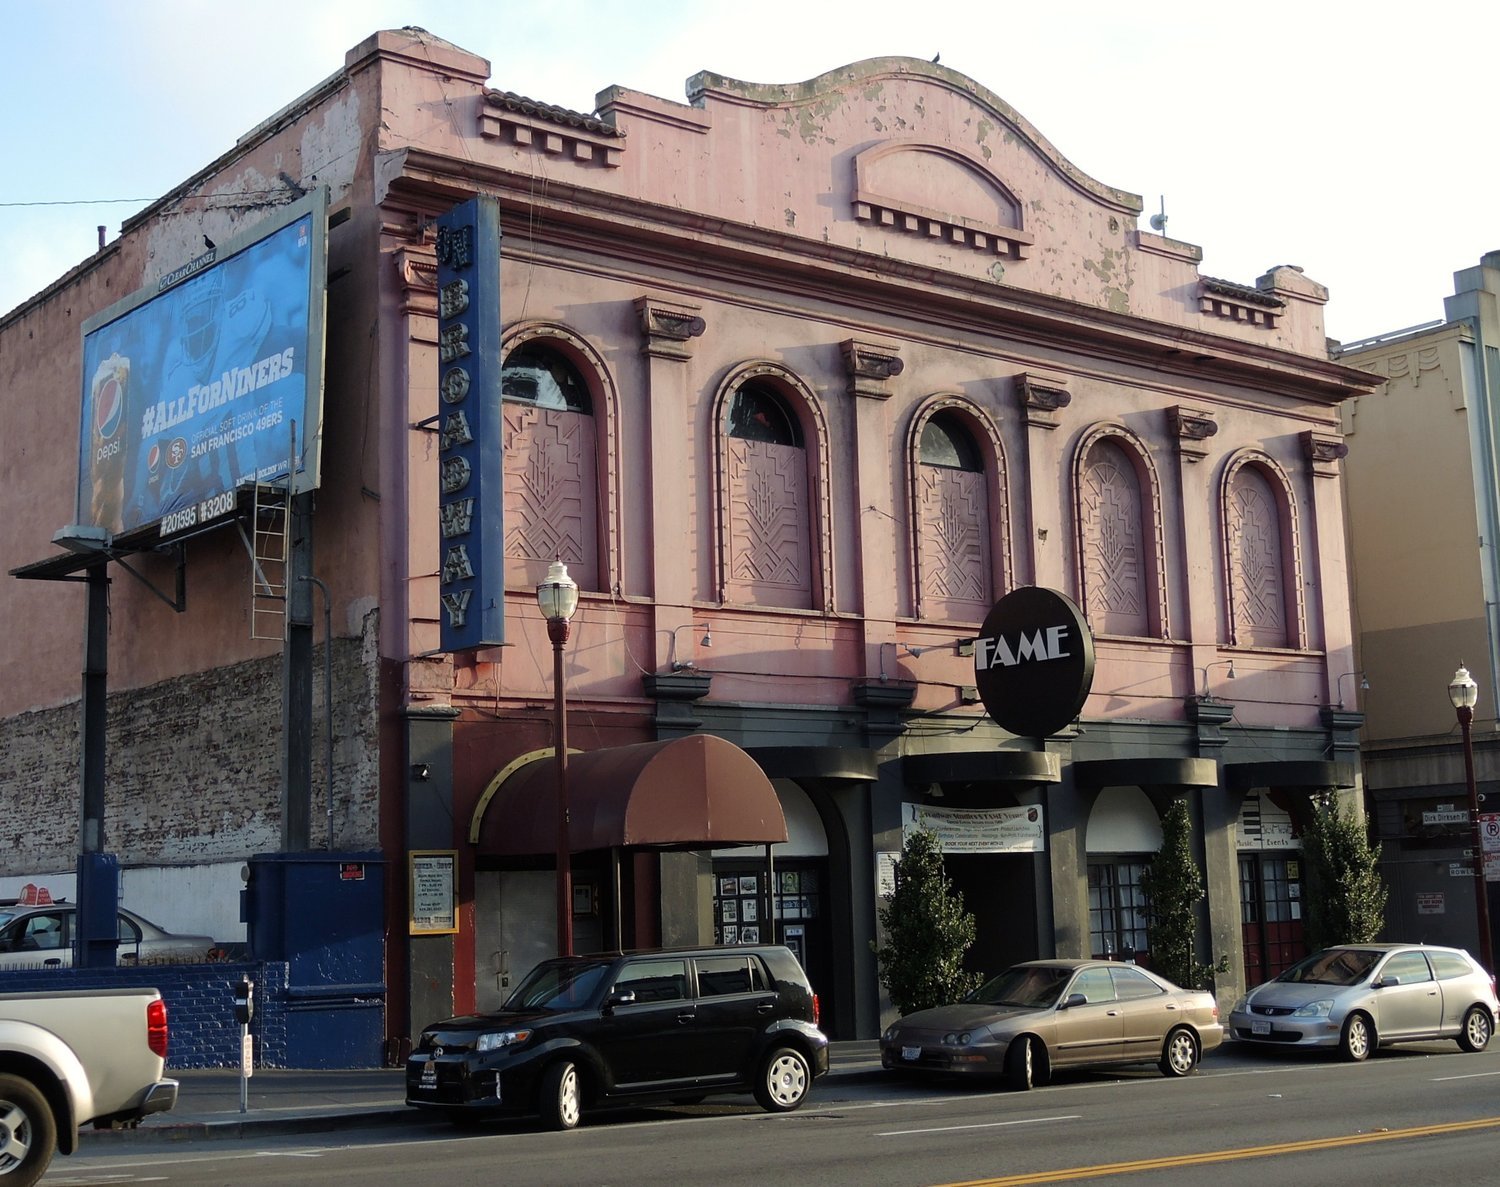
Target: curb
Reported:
point(333, 1118)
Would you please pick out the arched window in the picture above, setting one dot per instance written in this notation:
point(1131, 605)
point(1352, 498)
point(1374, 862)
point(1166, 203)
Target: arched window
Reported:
point(551, 467)
point(1261, 556)
point(535, 374)
point(1120, 555)
point(769, 540)
point(1114, 552)
point(954, 522)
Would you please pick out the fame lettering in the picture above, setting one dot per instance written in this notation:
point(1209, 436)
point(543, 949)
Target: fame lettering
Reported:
point(1043, 645)
point(457, 605)
point(456, 517)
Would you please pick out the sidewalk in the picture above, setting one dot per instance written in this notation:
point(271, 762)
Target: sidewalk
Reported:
point(208, 1103)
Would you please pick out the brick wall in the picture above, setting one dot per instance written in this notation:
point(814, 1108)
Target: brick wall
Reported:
point(200, 1007)
point(193, 767)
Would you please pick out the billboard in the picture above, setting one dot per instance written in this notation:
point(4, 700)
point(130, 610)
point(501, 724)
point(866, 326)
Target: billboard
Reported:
point(191, 388)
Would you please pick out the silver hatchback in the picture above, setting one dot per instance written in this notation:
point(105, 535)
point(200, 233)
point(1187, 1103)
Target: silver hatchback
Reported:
point(1358, 997)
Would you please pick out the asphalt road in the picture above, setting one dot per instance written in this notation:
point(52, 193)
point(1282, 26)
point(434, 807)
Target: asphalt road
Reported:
point(1424, 1114)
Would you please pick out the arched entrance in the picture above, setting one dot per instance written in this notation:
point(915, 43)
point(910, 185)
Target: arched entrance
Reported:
point(795, 910)
point(1124, 834)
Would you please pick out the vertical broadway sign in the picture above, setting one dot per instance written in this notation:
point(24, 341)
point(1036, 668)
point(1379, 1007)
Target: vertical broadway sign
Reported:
point(470, 470)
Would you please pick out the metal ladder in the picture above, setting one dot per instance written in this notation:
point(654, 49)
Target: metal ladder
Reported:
point(270, 524)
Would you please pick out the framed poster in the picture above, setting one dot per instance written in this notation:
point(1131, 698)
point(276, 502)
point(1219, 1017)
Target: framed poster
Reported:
point(432, 892)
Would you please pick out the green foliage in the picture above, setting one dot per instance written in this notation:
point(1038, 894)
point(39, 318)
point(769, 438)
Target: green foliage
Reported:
point(1174, 888)
point(927, 931)
point(1347, 900)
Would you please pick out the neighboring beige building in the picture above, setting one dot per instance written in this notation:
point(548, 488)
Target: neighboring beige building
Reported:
point(1422, 497)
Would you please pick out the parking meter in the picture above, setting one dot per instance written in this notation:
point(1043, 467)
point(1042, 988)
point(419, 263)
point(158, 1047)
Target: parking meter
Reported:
point(244, 1001)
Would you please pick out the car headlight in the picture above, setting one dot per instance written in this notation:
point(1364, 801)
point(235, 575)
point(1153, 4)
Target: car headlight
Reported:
point(1242, 1005)
point(1318, 1009)
point(957, 1038)
point(890, 1033)
point(497, 1039)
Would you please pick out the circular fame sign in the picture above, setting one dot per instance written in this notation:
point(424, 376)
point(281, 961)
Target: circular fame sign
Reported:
point(1034, 661)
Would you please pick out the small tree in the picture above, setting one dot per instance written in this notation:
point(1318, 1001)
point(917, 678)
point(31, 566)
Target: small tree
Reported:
point(927, 931)
point(1173, 889)
point(1347, 900)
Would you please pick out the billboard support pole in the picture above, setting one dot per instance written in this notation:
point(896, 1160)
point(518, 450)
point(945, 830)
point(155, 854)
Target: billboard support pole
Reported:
point(297, 656)
point(93, 708)
point(96, 935)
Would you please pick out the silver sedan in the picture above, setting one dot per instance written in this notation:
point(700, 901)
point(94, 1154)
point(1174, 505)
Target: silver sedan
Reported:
point(1358, 997)
point(1048, 1014)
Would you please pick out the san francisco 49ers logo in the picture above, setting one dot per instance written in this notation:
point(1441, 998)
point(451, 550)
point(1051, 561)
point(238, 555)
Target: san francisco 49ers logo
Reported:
point(177, 452)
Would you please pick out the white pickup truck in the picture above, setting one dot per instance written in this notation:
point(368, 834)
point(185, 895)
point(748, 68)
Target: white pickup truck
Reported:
point(74, 1058)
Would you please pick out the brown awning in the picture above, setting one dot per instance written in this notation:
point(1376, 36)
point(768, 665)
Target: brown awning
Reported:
point(682, 793)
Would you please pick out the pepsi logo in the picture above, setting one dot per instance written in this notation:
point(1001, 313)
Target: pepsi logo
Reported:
point(109, 408)
point(153, 457)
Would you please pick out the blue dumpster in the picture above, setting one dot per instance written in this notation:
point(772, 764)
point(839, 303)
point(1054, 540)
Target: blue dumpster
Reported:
point(324, 914)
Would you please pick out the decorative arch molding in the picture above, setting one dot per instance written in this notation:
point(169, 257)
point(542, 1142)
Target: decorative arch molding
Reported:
point(590, 363)
point(1154, 560)
point(987, 437)
point(804, 403)
point(977, 209)
point(1291, 548)
point(870, 72)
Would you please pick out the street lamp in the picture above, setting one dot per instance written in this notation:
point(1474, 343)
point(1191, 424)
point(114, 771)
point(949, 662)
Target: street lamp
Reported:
point(558, 598)
point(1463, 692)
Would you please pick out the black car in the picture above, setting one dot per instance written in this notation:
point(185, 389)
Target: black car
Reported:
point(634, 1027)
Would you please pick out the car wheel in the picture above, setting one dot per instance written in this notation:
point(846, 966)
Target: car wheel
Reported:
point(1021, 1064)
point(1475, 1035)
point(1357, 1039)
point(1179, 1054)
point(28, 1132)
point(560, 1093)
point(783, 1081)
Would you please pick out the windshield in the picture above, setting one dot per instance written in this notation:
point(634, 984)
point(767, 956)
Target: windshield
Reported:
point(558, 986)
point(1337, 966)
point(1033, 987)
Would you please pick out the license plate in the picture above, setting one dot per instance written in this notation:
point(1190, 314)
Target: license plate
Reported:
point(1257, 1027)
point(429, 1074)
point(911, 1053)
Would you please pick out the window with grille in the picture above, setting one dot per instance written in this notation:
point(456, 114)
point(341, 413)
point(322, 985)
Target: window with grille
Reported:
point(1117, 908)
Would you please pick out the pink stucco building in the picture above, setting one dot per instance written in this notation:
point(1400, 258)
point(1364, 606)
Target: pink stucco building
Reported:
point(799, 381)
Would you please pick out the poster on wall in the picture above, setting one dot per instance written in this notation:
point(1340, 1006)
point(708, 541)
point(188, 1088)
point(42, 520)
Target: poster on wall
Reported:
point(978, 830)
point(1264, 825)
point(433, 892)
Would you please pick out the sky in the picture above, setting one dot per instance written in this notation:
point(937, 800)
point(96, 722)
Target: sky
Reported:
point(1350, 139)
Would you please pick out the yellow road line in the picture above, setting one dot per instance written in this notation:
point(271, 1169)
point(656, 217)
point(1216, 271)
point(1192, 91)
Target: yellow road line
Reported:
point(1150, 1164)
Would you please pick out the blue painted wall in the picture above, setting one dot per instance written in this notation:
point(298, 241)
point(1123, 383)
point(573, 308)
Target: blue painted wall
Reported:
point(336, 1029)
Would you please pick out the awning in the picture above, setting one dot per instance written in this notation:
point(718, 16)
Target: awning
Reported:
point(1146, 772)
point(677, 794)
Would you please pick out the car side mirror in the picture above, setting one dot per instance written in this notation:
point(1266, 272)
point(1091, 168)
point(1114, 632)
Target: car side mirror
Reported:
point(1075, 999)
point(1388, 981)
point(623, 997)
